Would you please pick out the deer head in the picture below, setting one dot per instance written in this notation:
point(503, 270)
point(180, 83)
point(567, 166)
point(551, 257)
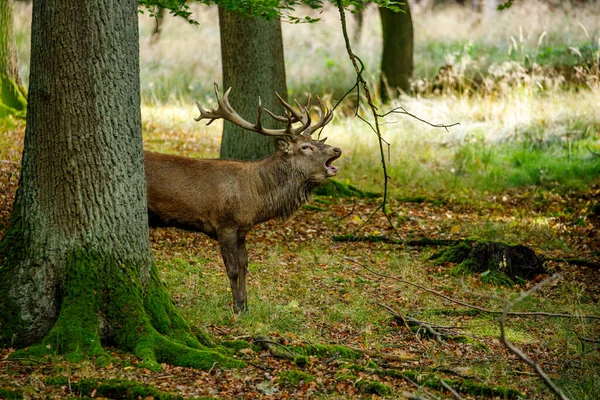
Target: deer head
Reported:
point(295, 144)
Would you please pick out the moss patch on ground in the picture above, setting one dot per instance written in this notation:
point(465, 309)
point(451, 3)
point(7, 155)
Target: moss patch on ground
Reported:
point(113, 389)
point(294, 377)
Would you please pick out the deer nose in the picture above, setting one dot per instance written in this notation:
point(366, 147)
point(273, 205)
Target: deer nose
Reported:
point(337, 151)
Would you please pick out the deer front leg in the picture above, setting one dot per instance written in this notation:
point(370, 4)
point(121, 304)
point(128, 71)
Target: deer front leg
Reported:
point(242, 268)
point(228, 241)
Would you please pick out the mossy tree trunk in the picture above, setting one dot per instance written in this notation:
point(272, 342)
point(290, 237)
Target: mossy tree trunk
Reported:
point(12, 93)
point(397, 62)
point(76, 268)
point(253, 65)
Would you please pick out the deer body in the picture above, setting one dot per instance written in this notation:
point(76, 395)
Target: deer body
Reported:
point(210, 195)
point(225, 199)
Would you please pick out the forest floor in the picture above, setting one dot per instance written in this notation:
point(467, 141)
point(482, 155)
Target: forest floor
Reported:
point(307, 290)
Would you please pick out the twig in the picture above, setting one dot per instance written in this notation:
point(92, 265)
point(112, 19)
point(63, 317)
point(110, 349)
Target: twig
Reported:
point(351, 211)
point(421, 388)
point(8, 162)
point(272, 345)
point(407, 319)
point(593, 152)
point(387, 356)
point(360, 82)
point(450, 389)
point(585, 339)
point(213, 366)
point(515, 350)
point(387, 239)
point(401, 110)
point(462, 303)
point(411, 396)
point(577, 261)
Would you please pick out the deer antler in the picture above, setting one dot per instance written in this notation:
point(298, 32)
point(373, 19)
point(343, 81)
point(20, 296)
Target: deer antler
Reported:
point(226, 112)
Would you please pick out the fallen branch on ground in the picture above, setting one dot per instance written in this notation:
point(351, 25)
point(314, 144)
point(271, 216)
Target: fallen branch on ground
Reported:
point(462, 303)
point(515, 350)
point(386, 356)
point(387, 239)
point(581, 262)
point(412, 321)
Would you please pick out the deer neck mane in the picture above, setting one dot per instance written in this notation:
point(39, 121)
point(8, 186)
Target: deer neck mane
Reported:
point(284, 187)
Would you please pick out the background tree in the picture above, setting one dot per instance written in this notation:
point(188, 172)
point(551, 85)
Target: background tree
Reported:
point(159, 16)
point(253, 65)
point(12, 93)
point(75, 261)
point(397, 62)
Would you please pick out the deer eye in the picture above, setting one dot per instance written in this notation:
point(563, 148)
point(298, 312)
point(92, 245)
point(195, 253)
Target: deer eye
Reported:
point(305, 147)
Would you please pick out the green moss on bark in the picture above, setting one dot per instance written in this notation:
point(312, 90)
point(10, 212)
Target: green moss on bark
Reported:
point(326, 350)
point(374, 387)
point(294, 377)
point(13, 99)
point(103, 301)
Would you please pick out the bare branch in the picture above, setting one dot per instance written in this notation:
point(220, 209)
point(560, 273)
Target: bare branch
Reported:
point(515, 350)
point(414, 321)
point(462, 303)
point(421, 388)
point(450, 389)
point(593, 152)
point(402, 110)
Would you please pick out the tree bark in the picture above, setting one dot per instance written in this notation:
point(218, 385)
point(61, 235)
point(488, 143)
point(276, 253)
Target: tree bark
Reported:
point(397, 59)
point(75, 262)
point(12, 92)
point(253, 65)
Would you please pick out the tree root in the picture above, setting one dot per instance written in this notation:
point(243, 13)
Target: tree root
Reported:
point(144, 321)
point(298, 353)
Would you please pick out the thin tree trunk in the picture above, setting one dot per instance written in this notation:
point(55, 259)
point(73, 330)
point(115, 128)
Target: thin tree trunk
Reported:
point(253, 65)
point(159, 17)
point(12, 93)
point(397, 59)
point(75, 262)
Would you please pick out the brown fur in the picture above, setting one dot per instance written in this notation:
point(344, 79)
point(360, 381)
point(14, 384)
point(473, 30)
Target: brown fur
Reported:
point(225, 199)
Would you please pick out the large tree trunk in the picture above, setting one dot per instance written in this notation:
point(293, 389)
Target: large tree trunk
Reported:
point(75, 262)
point(397, 59)
point(253, 65)
point(12, 93)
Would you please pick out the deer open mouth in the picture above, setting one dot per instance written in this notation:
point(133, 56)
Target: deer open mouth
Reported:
point(332, 170)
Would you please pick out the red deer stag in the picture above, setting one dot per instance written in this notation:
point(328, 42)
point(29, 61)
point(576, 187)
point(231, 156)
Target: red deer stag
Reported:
point(225, 199)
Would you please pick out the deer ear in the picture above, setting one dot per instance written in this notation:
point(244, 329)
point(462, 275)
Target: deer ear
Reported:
point(284, 146)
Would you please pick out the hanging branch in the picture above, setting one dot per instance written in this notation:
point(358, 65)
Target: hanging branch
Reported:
point(359, 68)
point(361, 82)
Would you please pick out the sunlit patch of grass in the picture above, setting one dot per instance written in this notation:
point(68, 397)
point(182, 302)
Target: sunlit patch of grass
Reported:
point(11, 139)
